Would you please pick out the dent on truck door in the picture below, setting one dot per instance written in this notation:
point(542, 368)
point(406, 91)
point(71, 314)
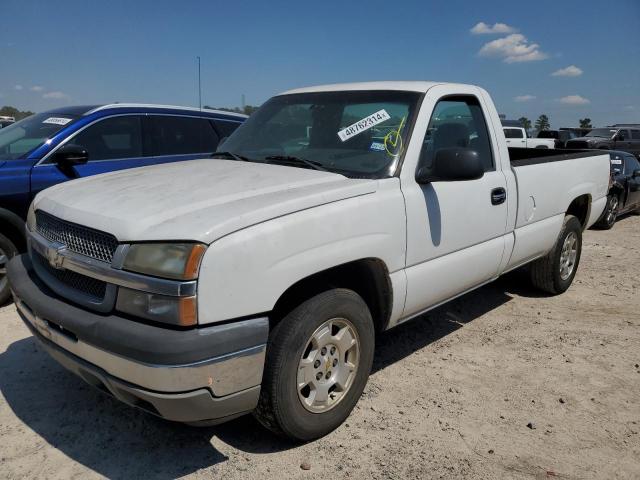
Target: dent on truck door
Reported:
point(456, 228)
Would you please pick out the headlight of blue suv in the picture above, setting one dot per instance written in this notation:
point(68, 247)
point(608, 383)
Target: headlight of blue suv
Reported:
point(177, 261)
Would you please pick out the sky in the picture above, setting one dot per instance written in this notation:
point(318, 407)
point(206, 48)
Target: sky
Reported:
point(567, 59)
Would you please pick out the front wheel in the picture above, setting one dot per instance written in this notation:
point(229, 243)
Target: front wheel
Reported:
point(318, 361)
point(610, 213)
point(7, 251)
point(554, 272)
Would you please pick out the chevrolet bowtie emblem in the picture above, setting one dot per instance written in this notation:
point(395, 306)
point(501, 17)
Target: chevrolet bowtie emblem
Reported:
point(55, 256)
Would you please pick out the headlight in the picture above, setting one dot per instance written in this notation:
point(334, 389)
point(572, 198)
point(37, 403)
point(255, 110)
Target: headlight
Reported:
point(180, 261)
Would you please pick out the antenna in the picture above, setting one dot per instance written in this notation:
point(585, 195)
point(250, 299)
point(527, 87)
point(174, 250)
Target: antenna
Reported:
point(199, 86)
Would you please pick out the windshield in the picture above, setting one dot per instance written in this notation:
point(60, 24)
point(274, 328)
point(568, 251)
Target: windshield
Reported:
point(22, 137)
point(359, 134)
point(601, 132)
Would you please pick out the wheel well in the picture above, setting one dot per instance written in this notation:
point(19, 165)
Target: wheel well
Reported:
point(580, 209)
point(13, 233)
point(368, 277)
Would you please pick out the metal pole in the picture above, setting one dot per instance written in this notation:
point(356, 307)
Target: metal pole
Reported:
point(199, 87)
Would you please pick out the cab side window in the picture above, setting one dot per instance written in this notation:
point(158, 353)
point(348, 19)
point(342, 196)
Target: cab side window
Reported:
point(112, 138)
point(458, 122)
point(226, 127)
point(176, 135)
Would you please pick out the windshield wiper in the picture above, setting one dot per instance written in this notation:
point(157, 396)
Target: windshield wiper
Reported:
point(297, 160)
point(232, 155)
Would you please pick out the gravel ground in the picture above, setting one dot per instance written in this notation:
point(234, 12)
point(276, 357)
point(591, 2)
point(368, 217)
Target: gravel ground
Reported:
point(501, 383)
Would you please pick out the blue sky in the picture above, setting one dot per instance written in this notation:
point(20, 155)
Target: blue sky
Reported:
point(79, 52)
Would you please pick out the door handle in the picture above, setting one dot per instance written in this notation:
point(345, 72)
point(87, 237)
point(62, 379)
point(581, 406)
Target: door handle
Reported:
point(498, 196)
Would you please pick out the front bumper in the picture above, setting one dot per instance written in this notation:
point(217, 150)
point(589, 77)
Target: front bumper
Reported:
point(204, 374)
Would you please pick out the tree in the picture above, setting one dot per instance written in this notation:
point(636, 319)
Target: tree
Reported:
point(14, 112)
point(247, 110)
point(542, 123)
point(585, 123)
point(525, 122)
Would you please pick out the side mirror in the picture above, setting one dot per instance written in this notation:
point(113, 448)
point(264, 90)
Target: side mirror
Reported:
point(70, 155)
point(450, 165)
point(636, 173)
point(619, 137)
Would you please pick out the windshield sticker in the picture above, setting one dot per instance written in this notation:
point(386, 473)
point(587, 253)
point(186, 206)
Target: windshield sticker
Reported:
point(57, 120)
point(393, 141)
point(363, 125)
point(377, 146)
point(616, 162)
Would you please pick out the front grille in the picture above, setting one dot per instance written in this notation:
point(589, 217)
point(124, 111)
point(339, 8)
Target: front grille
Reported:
point(83, 240)
point(577, 144)
point(91, 287)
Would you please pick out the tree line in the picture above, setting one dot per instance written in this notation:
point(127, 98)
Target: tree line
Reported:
point(8, 111)
point(247, 109)
point(543, 123)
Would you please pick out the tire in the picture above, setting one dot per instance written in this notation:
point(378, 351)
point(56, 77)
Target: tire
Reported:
point(280, 407)
point(7, 251)
point(608, 219)
point(546, 272)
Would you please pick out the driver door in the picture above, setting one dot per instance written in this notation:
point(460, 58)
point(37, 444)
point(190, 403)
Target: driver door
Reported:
point(455, 228)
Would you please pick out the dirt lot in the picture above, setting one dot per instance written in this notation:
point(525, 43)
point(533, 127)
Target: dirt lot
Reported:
point(450, 397)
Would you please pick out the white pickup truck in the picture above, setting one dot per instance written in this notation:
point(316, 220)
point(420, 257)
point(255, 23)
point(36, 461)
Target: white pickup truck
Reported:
point(517, 138)
point(257, 280)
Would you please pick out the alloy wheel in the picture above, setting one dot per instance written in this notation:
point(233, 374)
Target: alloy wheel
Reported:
point(328, 365)
point(568, 255)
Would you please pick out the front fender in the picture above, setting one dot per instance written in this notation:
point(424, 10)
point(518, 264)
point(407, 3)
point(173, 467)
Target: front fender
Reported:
point(246, 272)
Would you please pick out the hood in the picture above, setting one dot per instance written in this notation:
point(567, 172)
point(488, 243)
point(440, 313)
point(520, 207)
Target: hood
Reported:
point(200, 200)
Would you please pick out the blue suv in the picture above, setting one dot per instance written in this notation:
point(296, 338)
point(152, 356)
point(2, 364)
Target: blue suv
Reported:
point(73, 142)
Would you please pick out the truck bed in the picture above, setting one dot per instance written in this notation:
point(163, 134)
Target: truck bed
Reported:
point(521, 157)
point(548, 181)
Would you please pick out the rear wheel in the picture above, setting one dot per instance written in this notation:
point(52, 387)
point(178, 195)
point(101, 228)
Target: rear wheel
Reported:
point(7, 251)
point(318, 361)
point(610, 213)
point(554, 272)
